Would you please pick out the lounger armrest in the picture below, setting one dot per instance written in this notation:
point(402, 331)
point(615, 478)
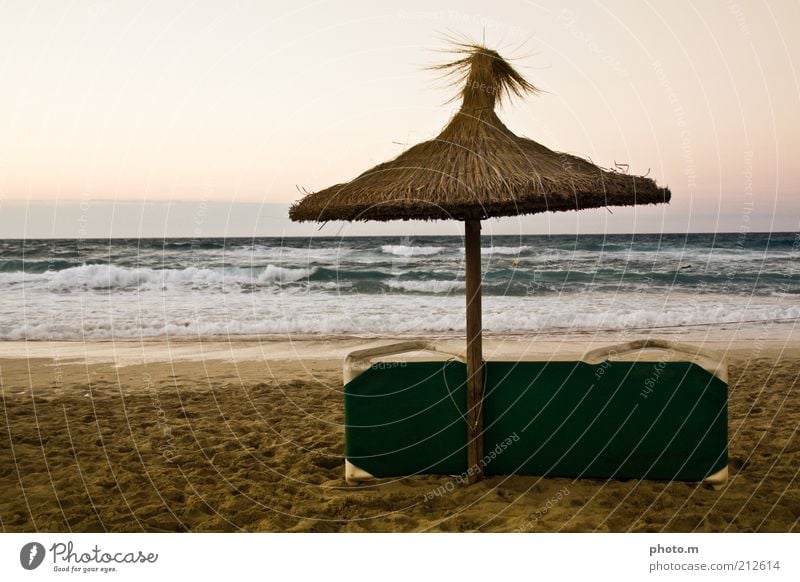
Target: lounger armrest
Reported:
point(360, 360)
point(710, 362)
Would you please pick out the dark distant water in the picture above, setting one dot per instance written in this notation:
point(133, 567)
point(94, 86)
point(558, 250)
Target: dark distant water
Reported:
point(75, 289)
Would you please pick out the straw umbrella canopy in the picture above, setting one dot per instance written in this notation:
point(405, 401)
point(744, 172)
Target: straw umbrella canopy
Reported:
point(476, 168)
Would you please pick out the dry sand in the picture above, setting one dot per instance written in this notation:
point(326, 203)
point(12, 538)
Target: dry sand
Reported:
point(247, 435)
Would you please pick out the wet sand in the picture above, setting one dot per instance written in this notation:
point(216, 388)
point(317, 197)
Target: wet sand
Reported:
point(246, 434)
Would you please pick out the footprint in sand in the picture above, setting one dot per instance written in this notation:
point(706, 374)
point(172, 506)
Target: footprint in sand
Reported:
point(328, 462)
point(735, 465)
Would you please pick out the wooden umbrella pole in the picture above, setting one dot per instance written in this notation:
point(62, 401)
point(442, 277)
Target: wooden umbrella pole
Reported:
point(472, 251)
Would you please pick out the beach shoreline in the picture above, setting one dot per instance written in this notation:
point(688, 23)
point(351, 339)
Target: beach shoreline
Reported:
point(554, 343)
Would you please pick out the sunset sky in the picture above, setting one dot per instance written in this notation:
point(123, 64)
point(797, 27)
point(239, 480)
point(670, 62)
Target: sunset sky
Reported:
point(128, 118)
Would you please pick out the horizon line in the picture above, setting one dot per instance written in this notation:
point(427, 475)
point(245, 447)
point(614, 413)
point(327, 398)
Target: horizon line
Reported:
point(95, 238)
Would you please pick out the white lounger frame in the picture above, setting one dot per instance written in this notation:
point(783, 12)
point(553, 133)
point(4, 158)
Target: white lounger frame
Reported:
point(358, 362)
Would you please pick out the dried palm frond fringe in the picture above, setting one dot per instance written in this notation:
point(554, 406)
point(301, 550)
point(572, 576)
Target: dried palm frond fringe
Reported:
point(476, 167)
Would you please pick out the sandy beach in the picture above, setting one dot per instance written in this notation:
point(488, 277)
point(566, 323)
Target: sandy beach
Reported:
point(245, 434)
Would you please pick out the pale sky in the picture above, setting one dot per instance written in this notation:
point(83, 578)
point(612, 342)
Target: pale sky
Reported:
point(172, 107)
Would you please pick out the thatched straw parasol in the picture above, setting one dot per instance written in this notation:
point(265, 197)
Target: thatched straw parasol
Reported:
point(477, 168)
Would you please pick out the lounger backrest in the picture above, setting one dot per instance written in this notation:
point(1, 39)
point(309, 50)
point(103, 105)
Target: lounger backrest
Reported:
point(623, 420)
point(404, 418)
point(609, 419)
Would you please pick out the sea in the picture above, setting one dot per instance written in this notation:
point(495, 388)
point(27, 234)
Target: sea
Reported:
point(378, 286)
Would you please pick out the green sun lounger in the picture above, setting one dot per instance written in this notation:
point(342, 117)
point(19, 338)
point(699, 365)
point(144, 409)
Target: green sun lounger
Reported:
point(597, 418)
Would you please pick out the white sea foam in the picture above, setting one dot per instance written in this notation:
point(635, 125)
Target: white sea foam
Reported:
point(502, 250)
point(112, 277)
point(421, 251)
point(284, 255)
point(283, 274)
point(74, 316)
point(410, 251)
point(432, 286)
